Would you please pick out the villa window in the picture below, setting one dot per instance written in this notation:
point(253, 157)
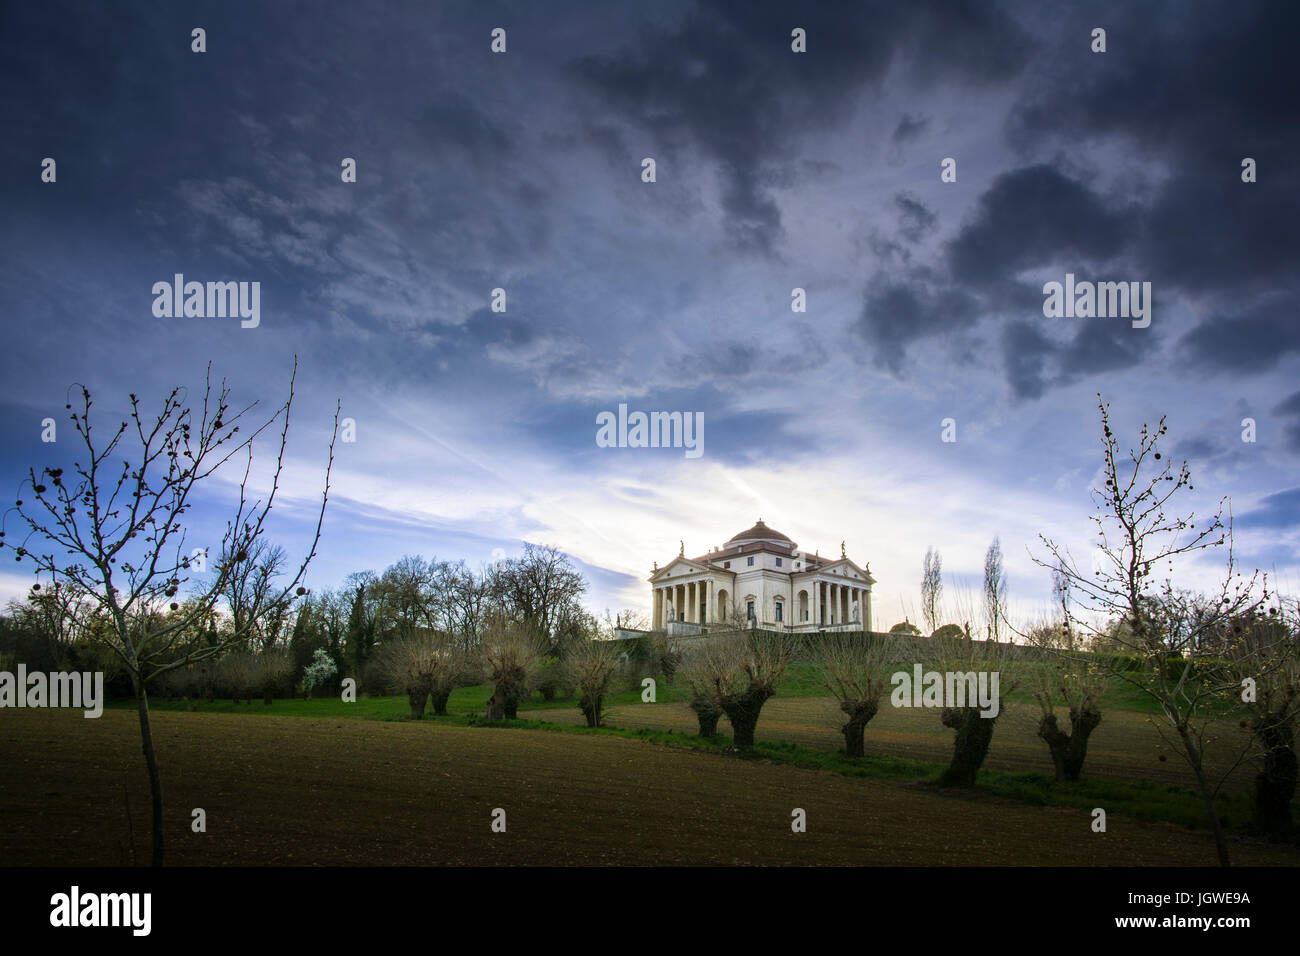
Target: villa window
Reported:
point(778, 611)
point(778, 564)
point(751, 562)
point(749, 607)
point(726, 564)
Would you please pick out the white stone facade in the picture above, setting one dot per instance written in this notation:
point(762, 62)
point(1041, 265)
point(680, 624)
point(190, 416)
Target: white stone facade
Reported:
point(761, 574)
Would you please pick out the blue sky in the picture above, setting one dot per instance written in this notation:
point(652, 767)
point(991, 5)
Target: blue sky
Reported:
point(775, 170)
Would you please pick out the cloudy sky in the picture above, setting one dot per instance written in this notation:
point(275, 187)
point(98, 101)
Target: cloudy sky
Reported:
point(775, 170)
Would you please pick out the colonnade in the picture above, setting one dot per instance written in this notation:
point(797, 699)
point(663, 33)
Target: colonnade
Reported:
point(832, 603)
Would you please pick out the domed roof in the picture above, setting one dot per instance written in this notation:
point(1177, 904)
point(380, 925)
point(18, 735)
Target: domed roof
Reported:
point(760, 532)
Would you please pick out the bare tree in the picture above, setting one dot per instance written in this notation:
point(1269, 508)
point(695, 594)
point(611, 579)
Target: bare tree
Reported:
point(741, 669)
point(421, 665)
point(1265, 653)
point(665, 654)
point(954, 652)
point(1077, 684)
point(469, 601)
point(591, 667)
point(853, 669)
point(116, 536)
point(995, 592)
point(252, 592)
point(511, 660)
point(537, 589)
point(931, 588)
point(1168, 630)
point(697, 668)
point(56, 615)
point(409, 597)
point(1062, 675)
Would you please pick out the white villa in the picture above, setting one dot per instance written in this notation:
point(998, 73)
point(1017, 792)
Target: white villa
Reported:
point(761, 574)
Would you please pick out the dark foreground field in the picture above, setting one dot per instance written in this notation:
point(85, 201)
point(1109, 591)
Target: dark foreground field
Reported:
point(282, 790)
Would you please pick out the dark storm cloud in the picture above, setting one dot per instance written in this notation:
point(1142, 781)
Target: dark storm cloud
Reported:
point(1289, 409)
point(1193, 449)
point(909, 127)
point(1034, 362)
point(1035, 216)
point(898, 312)
point(1257, 339)
point(915, 219)
point(724, 81)
point(1200, 230)
point(1025, 352)
point(454, 121)
point(1030, 217)
point(1102, 345)
point(1193, 90)
point(1278, 510)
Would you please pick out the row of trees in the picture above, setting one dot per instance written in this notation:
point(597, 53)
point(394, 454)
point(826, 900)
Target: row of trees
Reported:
point(118, 576)
point(1202, 656)
point(538, 592)
point(108, 543)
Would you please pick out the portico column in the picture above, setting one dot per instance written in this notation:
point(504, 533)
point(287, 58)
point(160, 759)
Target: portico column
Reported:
point(867, 622)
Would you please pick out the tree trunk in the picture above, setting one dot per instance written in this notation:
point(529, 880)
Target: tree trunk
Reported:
point(494, 709)
point(1212, 811)
point(440, 702)
point(151, 762)
point(707, 713)
point(591, 710)
point(743, 710)
point(509, 703)
point(417, 697)
point(860, 713)
point(1275, 784)
point(1069, 750)
point(267, 697)
point(970, 746)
